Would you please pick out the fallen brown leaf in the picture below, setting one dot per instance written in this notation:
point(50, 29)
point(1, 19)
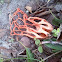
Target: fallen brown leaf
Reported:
point(29, 8)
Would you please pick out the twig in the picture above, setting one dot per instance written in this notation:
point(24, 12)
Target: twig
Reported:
point(37, 1)
point(41, 13)
point(41, 6)
point(50, 7)
point(44, 13)
point(50, 56)
point(52, 42)
point(37, 12)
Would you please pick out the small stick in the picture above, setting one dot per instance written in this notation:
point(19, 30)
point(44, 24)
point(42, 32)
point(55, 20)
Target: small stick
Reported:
point(41, 13)
point(44, 13)
point(50, 56)
point(52, 42)
point(37, 12)
point(41, 6)
point(50, 7)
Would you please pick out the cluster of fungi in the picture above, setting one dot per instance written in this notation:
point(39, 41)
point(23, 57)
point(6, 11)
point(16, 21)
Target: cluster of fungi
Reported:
point(33, 27)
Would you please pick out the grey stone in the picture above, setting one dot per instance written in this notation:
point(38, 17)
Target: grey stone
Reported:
point(25, 41)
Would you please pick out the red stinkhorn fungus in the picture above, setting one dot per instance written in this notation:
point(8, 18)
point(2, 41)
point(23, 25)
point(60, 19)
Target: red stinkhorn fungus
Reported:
point(33, 27)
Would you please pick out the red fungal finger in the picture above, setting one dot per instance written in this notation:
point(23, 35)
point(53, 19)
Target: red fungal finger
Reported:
point(33, 27)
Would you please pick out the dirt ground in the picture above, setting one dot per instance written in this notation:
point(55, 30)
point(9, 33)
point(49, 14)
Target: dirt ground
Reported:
point(8, 7)
point(5, 8)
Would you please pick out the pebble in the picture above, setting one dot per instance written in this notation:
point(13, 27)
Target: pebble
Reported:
point(25, 41)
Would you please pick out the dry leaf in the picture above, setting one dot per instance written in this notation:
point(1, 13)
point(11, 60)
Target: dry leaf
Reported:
point(29, 8)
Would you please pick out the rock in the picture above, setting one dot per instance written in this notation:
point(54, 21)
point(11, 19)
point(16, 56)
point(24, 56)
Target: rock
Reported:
point(25, 41)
